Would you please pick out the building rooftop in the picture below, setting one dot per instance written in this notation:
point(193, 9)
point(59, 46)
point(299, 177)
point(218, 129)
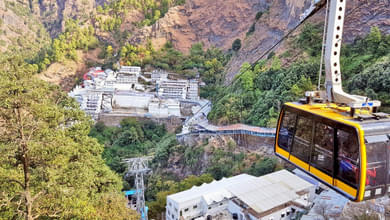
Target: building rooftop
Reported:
point(269, 191)
point(259, 193)
point(211, 189)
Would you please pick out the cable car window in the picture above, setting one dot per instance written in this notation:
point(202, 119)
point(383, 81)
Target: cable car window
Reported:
point(348, 155)
point(302, 139)
point(286, 131)
point(322, 154)
point(376, 160)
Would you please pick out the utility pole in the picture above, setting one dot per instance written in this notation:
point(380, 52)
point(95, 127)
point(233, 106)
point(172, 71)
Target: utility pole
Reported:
point(138, 167)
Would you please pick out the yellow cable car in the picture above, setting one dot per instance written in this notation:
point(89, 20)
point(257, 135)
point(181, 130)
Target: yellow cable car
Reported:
point(341, 140)
point(350, 155)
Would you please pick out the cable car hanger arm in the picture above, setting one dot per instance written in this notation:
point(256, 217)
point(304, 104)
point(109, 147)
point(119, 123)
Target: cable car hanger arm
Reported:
point(333, 85)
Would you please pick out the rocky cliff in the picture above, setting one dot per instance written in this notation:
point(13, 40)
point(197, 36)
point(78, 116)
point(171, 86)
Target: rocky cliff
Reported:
point(29, 24)
point(19, 28)
point(53, 13)
point(213, 22)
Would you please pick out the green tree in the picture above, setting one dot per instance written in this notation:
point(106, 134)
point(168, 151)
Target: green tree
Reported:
point(49, 167)
point(109, 51)
point(236, 44)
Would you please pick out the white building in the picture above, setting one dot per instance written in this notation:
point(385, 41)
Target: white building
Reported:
point(173, 89)
point(164, 108)
point(279, 195)
point(193, 91)
point(158, 75)
point(104, 92)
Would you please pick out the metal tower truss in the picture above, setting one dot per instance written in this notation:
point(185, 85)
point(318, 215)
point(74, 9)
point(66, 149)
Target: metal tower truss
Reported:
point(138, 167)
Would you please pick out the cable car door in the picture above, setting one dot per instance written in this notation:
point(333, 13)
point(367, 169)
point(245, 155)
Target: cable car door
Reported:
point(378, 166)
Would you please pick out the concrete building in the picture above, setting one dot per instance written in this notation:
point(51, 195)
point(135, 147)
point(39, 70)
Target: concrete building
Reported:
point(173, 89)
point(279, 195)
point(130, 70)
point(158, 75)
point(193, 90)
point(124, 92)
point(164, 108)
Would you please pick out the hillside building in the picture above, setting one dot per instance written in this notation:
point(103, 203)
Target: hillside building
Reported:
point(279, 195)
point(178, 89)
point(124, 93)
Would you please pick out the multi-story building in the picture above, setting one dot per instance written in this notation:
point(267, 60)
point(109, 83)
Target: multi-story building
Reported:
point(193, 91)
point(279, 195)
point(173, 89)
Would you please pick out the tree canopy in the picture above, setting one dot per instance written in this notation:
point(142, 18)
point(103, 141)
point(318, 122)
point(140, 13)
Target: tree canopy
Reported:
point(49, 167)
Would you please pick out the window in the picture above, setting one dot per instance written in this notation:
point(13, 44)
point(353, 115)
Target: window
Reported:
point(282, 215)
point(209, 207)
point(286, 131)
point(348, 155)
point(195, 206)
point(322, 153)
point(376, 160)
point(186, 210)
point(220, 203)
point(302, 138)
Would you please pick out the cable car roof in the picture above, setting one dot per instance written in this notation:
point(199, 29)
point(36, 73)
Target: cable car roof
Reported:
point(370, 124)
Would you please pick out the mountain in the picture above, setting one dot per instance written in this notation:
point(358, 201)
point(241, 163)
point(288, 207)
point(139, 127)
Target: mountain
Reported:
point(283, 15)
point(213, 22)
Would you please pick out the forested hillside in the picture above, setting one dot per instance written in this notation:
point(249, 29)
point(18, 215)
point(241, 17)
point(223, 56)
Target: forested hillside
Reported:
point(257, 92)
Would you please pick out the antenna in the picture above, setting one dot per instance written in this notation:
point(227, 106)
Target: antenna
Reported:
point(138, 167)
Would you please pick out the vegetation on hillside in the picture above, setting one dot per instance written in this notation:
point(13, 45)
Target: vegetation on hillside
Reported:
point(76, 36)
point(49, 167)
point(131, 139)
point(256, 95)
point(110, 16)
point(145, 138)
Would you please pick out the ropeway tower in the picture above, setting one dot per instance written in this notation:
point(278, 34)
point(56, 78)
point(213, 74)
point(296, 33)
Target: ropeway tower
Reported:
point(138, 167)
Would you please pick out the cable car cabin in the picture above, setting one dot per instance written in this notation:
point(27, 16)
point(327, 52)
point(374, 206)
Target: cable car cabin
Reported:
point(351, 156)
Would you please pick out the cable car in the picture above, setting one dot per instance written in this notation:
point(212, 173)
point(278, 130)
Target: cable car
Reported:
point(338, 138)
point(350, 155)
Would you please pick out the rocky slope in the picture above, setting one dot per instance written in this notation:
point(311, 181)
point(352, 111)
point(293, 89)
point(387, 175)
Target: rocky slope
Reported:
point(53, 13)
point(213, 22)
point(27, 24)
point(283, 15)
point(19, 28)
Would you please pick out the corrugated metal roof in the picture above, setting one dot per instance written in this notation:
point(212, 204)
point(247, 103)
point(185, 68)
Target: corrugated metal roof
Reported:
point(215, 187)
point(260, 193)
point(270, 191)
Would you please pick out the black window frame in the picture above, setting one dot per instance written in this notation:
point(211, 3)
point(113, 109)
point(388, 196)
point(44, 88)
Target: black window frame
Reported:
point(332, 123)
point(322, 121)
point(344, 127)
point(308, 156)
point(290, 110)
